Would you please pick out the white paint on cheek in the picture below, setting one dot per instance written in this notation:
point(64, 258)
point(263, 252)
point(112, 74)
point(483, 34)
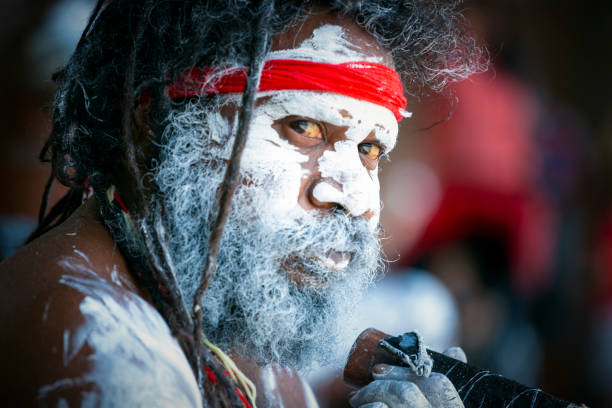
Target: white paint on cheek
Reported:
point(376, 217)
point(219, 127)
point(360, 187)
point(328, 43)
point(268, 159)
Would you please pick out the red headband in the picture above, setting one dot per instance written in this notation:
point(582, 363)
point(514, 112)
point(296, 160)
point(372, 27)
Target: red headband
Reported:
point(366, 81)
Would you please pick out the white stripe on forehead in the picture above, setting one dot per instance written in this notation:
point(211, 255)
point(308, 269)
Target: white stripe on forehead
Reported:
point(327, 44)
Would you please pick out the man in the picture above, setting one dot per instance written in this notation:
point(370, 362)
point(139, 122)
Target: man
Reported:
point(116, 300)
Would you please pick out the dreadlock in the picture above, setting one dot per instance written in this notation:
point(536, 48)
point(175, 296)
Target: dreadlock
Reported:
point(135, 47)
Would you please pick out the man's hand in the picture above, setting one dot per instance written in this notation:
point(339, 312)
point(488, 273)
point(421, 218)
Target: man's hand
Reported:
point(396, 387)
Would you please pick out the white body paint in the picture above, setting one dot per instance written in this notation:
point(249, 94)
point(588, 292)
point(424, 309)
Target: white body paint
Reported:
point(270, 387)
point(271, 391)
point(82, 255)
point(135, 360)
point(309, 397)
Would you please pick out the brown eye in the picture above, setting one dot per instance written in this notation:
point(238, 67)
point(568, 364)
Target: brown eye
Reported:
point(307, 128)
point(370, 150)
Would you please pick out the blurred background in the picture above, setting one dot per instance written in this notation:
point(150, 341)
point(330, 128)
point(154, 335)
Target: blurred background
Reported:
point(498, 208)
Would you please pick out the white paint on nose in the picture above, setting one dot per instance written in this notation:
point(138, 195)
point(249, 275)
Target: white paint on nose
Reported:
point(359, 187)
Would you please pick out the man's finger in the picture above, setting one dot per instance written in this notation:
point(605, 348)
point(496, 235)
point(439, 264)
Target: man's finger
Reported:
point(457, 353)
point(437, 388)
point(395, 394)
point(392, 372)
point(439, 391)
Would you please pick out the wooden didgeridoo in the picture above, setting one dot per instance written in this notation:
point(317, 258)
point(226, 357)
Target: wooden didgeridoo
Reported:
point(476, 387)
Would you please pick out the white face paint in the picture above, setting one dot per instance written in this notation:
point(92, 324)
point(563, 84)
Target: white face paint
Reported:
point(328, 43)
point(267, 155)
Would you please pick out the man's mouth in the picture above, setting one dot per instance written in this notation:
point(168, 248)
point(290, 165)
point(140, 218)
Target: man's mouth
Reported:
point(335, 261)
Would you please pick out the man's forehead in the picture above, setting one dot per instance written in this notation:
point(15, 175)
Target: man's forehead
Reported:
point(327, 37)
point(323, 34)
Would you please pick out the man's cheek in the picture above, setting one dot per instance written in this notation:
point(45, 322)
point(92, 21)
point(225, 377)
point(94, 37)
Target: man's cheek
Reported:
point(374, 199)
point(273, 165)
point(359, 187)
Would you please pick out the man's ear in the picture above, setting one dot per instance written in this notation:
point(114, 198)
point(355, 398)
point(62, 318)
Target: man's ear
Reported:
point(143, 148)
point(142, 133)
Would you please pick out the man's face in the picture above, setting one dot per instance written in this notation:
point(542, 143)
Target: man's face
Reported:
point(322, 149)
point(301, 242)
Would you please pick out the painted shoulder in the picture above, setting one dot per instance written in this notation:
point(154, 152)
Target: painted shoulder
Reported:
point(78, 334)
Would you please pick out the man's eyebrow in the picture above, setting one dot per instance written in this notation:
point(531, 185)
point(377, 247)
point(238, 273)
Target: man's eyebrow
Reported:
point(384, 137)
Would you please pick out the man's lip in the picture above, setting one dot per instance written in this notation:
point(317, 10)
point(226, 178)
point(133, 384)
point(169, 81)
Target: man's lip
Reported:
point(334, 260)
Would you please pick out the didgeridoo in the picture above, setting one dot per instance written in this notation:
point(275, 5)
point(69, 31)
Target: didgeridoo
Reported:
point(476, 387)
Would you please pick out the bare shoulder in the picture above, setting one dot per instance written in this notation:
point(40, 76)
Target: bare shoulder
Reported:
point(77, 331)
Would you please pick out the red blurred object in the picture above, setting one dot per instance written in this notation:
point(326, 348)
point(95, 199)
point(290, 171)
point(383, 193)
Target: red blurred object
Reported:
point(603, 265)
point(487, 162)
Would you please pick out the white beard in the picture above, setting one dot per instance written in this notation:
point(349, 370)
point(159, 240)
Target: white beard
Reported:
point(251, 306)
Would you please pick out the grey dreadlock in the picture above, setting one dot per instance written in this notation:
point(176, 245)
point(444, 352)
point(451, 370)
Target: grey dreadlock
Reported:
point(135, 46)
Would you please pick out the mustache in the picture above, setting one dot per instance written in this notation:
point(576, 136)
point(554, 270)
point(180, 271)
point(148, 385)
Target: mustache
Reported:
point(326, 250)
point(327, 232)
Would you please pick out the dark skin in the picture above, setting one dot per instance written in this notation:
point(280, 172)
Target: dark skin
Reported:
point(34, 339)
point(37, 309)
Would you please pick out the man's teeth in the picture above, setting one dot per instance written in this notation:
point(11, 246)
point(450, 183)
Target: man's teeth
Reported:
point(335, 261)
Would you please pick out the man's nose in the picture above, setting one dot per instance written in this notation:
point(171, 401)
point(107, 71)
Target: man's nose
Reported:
point(328, 194)
point(325, 200)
